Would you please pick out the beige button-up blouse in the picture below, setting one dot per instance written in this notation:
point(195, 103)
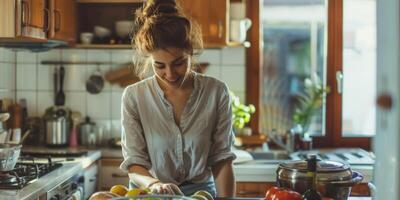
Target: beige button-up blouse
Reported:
point(177, 154)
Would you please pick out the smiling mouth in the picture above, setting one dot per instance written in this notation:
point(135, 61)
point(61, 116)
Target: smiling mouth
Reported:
point(173, 81)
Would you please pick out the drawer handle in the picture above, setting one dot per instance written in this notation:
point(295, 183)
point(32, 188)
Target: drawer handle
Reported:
point(115, 175)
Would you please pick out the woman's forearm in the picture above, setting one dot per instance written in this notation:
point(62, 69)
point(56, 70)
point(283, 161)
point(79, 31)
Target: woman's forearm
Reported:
point(141, 177)
point(224, 179)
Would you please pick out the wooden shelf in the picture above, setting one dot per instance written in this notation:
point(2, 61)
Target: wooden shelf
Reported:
point(103, 46)
point(110, 1)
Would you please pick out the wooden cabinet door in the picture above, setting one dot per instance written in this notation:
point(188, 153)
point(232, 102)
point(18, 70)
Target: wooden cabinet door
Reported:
point(62, 25)
point(34, 15)
point(212, 16)
point(110, 174)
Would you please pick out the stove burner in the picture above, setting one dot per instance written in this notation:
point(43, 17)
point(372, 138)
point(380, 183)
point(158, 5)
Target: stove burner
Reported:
point(24, 172)
point(7, 179)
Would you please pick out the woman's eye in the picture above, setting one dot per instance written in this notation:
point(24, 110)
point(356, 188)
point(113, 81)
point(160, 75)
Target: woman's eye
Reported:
point(159, 66)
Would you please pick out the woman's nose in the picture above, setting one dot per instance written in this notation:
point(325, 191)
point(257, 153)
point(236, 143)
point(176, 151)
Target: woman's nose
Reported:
point(170, 72)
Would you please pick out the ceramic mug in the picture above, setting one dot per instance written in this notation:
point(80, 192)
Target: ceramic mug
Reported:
point(238, 29)
point(86, 38)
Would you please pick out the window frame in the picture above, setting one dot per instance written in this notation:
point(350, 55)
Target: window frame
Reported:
point(254, 65)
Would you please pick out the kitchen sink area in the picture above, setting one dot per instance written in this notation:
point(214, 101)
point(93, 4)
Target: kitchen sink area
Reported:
point(352, 156)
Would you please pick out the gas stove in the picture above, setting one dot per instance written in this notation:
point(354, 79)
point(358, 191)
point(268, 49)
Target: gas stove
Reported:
point(26, 171)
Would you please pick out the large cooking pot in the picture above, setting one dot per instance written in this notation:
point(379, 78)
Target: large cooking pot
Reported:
point(9, 154)
point(58, 125)
point(334, 179)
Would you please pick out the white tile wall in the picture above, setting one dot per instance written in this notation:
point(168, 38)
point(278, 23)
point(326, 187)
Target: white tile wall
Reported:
point(26, 76)
point(27, 56)
point(99, 105)
point(7, 76)
point(35, 81)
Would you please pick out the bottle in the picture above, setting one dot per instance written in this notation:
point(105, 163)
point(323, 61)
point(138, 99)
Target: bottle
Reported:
point(312, 193)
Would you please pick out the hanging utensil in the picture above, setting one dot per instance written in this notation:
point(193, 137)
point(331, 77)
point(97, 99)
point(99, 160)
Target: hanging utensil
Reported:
point(55, 83)
point(95, 83)
point(60, 99)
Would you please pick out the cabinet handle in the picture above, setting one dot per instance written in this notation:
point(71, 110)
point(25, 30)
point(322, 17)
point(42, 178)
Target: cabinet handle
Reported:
point(115, 175)
point(57, 17)
point(92, 180)
point(25, 13)
point(47, 13)
point(220, 29)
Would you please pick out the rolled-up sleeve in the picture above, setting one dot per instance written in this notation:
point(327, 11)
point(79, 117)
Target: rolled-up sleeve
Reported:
point(134, 148)
point(222, 137)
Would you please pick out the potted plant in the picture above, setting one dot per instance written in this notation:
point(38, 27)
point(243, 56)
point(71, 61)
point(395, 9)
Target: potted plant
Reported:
point(308, 104)
point(241, 114)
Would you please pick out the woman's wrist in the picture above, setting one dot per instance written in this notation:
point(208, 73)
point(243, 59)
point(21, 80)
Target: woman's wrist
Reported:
point(153, 182)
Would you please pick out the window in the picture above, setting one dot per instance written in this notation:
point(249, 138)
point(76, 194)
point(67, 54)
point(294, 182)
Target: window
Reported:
point(335, 39)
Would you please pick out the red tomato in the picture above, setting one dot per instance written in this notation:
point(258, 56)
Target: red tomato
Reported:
point(271, 193)
point(276, 193)
point(287, 195)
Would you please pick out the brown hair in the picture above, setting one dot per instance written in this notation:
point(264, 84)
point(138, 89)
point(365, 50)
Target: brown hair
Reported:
point(160, 24)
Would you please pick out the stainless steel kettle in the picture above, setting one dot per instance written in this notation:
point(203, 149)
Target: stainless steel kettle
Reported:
point(57, 125)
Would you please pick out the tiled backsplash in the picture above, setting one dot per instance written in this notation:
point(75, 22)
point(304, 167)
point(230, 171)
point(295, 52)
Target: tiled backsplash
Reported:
point(23, 76)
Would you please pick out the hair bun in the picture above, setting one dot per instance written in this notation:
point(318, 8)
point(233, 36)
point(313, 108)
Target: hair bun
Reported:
point(157, 7)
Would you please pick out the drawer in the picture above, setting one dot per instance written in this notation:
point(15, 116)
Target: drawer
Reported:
point(110, 174)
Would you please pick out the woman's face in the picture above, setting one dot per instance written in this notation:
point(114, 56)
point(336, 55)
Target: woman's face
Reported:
point(170, 66)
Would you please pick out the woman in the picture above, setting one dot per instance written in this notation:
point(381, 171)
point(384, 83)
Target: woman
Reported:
point(177, 128)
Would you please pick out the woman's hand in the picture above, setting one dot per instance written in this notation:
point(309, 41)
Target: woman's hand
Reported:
point(165, 188)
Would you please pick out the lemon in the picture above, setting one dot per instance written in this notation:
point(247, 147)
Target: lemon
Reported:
point(119, 189)
point(199, 197)
point(133, 192)
point(204, 194)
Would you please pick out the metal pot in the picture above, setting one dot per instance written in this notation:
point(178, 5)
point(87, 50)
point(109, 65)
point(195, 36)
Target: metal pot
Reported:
point(58, 125)
point(9, 154)
point(334, 179)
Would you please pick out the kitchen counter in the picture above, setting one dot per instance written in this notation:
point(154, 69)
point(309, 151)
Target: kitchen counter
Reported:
point(69, 169)
point(252, 171)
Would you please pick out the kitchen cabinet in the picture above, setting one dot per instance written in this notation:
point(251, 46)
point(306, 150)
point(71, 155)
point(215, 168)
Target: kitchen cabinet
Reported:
point(90, 179)
point(213, 18)
point(37, 21)
point(23, 20)
point(110, 174)
point(62, 20)
point(258, 189)
point(211, 15)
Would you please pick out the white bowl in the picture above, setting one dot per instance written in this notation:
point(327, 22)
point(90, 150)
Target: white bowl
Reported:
point(101, 32)
point(123, 28)
point(86, 37)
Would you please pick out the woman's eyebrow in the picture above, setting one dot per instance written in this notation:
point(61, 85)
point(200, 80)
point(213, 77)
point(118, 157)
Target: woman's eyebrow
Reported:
point(174, 61)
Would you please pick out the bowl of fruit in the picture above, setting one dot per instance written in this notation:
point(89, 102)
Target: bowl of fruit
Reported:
point(121, 192)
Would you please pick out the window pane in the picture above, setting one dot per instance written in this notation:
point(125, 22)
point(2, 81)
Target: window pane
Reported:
point(294, 49)
point(359, 67)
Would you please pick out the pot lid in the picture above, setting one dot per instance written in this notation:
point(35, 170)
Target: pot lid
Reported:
point(326, 170)
point(322, 166)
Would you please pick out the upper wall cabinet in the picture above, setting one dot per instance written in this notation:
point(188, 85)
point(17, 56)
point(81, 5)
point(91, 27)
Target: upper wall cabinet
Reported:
point(62, 20)
point(30, 21)
point(23, 20)
point(213, 18)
